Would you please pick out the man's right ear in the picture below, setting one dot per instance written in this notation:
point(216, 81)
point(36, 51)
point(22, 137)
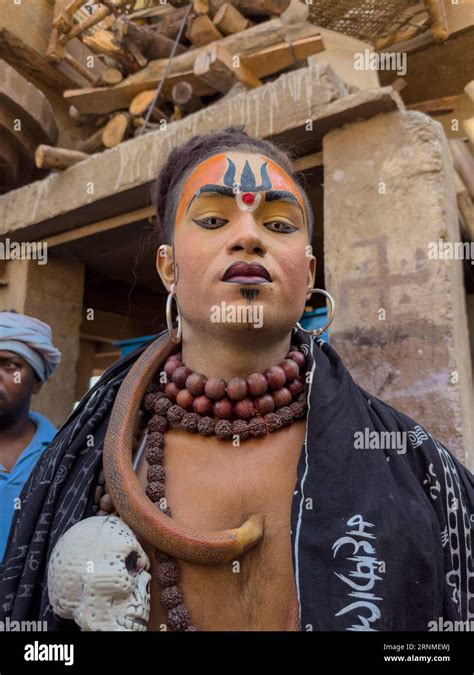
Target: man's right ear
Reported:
point(165, 265)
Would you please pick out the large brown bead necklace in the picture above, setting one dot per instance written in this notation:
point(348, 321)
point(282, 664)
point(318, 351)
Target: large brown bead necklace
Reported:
point(237, 408)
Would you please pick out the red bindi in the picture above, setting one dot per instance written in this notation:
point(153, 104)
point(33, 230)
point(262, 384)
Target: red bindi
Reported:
point(248, 198)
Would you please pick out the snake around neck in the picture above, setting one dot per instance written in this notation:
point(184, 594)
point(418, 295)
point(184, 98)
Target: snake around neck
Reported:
point(205, 547)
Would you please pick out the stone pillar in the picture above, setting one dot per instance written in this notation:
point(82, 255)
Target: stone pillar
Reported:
point(52, 293)
point(400, 323)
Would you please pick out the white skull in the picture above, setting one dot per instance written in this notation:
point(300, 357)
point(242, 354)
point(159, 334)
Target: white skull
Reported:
point(97, 575)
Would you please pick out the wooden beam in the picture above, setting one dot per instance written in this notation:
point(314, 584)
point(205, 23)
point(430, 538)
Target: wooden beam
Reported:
point(439, 106)
point(100, 226)
point(308, 161)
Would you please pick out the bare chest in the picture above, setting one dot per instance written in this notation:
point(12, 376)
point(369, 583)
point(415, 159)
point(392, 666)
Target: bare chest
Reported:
point(212, 485)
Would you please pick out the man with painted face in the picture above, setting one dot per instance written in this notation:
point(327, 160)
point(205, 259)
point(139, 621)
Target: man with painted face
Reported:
point(259, 506)
point(27, 359)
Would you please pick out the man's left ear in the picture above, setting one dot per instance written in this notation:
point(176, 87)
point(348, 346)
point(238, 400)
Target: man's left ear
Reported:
point(37, 384)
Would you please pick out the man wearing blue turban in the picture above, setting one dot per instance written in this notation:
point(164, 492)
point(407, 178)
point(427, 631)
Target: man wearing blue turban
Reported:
point(27, 359)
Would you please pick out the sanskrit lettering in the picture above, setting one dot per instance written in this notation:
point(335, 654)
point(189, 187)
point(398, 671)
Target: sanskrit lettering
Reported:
point(358, 546)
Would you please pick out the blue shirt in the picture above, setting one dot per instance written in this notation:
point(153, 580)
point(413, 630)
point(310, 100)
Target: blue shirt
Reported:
point(11, 482)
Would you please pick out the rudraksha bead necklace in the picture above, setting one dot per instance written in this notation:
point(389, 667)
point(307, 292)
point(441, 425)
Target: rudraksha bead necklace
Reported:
point(260, 404)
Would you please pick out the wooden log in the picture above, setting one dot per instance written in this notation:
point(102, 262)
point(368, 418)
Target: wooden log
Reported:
point(268, 38)
point(152, 13)
point(178, 3)
point(82, 70)
point(170, 23)
point(398, 84)
point(297, 12)
point(94, 19)
point(215, 66)
point(202, 31)
point(110, 77)
point(112, 6)
point(64, 10)
point(142, 102)
point(214, 6)
point(261, 7)
point(229, 20)
point(463, 163)
point(161, 46)
point(47, 157)
point(81, 118)
point(468, 126)
point(417, 18)
point(136, 52)
point(178, 114)
point(93, 143)
point(469, 89)
point(183, 96)
point(439, 21)
point(24, 32)
point(200, 7)
point(115, 130)
point(102, 41)
point(138, 122)
point(152, 44)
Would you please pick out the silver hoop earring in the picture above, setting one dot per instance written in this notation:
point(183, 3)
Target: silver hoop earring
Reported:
point(175, 336)
point(319, 331)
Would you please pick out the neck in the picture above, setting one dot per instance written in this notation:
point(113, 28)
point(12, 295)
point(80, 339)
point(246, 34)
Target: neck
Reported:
point(237, 355)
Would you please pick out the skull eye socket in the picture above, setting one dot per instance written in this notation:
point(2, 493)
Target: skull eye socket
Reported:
point(131, 563)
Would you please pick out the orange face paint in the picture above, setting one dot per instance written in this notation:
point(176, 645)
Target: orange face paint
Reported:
point(250, 175)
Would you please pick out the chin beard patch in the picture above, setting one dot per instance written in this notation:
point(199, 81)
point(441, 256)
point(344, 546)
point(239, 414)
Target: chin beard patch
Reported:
point(249, 293)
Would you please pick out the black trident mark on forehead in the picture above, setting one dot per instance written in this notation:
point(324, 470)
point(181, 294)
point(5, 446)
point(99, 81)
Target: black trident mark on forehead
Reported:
point(248, 182)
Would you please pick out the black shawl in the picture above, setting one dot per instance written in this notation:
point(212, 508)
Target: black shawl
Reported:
point(381, 513)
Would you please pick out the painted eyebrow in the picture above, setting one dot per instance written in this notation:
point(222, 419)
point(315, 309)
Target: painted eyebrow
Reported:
point(270, 195)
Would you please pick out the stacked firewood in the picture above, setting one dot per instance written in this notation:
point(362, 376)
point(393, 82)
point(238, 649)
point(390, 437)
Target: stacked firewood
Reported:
point(170, 60)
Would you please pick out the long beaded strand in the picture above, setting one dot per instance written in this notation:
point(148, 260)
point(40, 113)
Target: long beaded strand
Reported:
point(171, 402)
